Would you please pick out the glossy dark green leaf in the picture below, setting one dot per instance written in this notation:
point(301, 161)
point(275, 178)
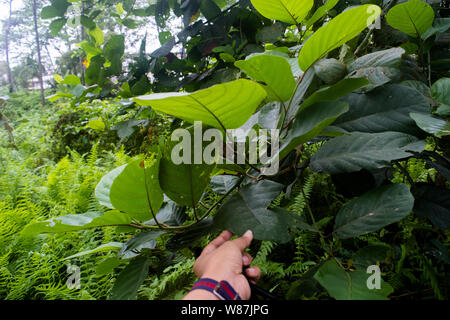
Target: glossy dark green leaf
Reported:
point(433, 203)
point(428, 123)
point(349, 285)
point(373, 210)
point(191, 235)
point(359, 150)
point(223, 183)
point(439, 25)
point(331, 93)
point(141, 240)
point(170, 214)
point(384, 58)
point(310, 122)
point(383, 109)
point(130, 279)
point(248, 210)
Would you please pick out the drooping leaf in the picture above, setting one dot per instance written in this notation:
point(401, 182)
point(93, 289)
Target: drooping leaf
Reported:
point(275, 72)
point(170, 214)
point(229, 105)
point(310, 122)
point(331, 93)
point(413, 17)
point(223, 183)
point(320, 12)
point(289, 11)
point(373, 210)
point(77, 222)
point(383, 109)
point(360, 150)
point(377, 76)
point(104, 247)
point(436, 126)
point(440, 91)
point(248, 210)
point(130, 279)
point(345, 285)
point(191, 235)
point(433, 203)
point(439, 25)
point(384, 58)
point(142, 240)
point(335, 33)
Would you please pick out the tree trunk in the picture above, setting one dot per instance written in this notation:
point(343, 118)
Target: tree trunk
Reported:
point(41, 82)
point(7, 30)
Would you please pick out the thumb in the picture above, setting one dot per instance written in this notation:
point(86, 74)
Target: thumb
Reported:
point(244, 241)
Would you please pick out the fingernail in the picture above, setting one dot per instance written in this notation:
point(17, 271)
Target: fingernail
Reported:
point(245, 259)
point(248, 234)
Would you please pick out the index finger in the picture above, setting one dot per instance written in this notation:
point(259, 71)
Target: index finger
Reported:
point(217, 242)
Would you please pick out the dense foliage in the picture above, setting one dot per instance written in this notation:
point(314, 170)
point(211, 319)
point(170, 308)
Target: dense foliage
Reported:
point(359, 91)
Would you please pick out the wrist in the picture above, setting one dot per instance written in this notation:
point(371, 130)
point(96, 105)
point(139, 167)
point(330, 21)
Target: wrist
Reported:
point(222, 289)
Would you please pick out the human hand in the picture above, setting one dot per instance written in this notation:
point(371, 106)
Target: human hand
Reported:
point(224, 259)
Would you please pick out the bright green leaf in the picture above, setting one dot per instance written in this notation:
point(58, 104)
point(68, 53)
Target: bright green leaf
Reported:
point(413, 17)
point(223, 106)
point(275, 72)
point(335, 33)
point(289, 11)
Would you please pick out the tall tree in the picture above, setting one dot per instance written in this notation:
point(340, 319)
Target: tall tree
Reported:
point(38, 46)
point(7, 31)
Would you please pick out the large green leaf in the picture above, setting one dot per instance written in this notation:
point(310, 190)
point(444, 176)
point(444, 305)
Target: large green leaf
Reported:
point(132, 188)
point(377, 76)
point(248, 210)
point(320, 12)
point(223, 183)
point(436, 126)
point(335, 33)
point(184, 183)
point(310, 122)
point(335, 91)
point(78, 222)
point(440, 91)
point(142, 240)
point(275, 72)
point(439, 25)
point(360, 150)
point(223, 106)
point(413, 17)
point(289, 11)
point(373, 210)
point(433, 203)
point(130, 279)
point(345, 285)
point(104, 247)
point(383, 109)
point(384, 58)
